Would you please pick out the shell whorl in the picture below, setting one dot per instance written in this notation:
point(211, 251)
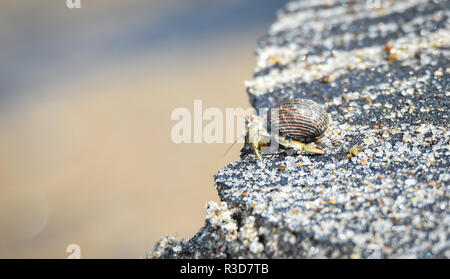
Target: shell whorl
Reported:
point(299, 119)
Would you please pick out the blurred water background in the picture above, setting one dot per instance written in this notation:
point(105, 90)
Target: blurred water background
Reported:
point(85, 102)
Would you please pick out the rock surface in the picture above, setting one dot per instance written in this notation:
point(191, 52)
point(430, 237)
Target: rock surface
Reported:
point(382, 188)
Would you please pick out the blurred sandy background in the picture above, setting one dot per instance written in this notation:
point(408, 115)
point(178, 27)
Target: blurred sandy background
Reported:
point(85, 102)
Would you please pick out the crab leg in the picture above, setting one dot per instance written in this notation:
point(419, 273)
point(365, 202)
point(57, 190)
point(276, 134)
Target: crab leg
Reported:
point(299, 146)
point(256, 151)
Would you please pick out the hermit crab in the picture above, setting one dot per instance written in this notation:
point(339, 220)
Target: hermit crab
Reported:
point(293, 123)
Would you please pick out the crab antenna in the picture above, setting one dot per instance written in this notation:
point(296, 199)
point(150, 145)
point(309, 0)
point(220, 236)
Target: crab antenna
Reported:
point(245, 118)
point(229, 148)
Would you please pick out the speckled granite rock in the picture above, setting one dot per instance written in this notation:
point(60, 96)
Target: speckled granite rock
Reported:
point(382, 188)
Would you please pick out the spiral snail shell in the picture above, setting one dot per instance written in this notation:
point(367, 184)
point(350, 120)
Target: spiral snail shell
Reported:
point(302, 120)
point(293, 124)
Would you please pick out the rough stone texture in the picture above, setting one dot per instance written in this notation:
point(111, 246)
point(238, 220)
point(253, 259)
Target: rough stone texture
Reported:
point(382, 188)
